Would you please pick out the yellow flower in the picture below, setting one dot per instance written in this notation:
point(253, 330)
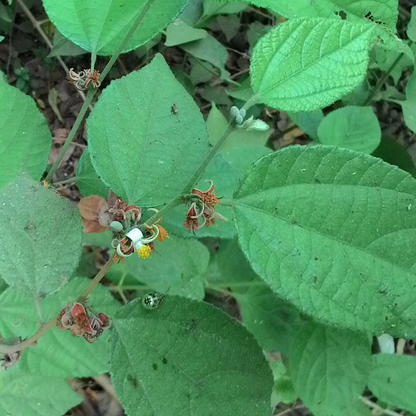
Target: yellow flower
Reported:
point(144, 252)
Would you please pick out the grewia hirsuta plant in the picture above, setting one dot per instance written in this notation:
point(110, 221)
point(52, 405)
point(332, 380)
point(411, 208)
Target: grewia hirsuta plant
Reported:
point(315, 242)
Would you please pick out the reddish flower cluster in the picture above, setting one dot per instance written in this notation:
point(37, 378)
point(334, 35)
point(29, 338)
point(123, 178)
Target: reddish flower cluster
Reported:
point(97, 213)
point(82, 79)
point(202, 213)
point(75, 318)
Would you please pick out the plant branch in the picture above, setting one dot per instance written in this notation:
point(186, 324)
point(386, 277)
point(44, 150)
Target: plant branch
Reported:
point(382, 80)
point(92, 92)
point(44, 328)
point(38, 26)
point(97, 279)
point(379, 408)
point(71, 135)
point(194, 179)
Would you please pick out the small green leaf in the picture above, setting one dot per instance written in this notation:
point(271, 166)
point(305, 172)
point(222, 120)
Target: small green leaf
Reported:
point(142, 149)
point(62, 46)
point(210, 50)
point(177, 268)
point(283, 387)
point(89, 183)
point(214, 8)
point(351, 127)
point(409, 106)
point(23, 394)
point(58, 353)
point(178, 32)
point(411, 27)
point(290, 75)
point(41, 238)
point(332, 231)
point(100, 27)
point(393, 380)
point(25, 141)
point(329, 368)
point(308, 122)
point(395, 154)
point(193, 355)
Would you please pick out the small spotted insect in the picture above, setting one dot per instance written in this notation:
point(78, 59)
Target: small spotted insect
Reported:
point(152, 300)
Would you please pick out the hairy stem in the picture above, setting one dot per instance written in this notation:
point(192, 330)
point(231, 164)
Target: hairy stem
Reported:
point(379, 408)
point(92, 92)
point(97, 279)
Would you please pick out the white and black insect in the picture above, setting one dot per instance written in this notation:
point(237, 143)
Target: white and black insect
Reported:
point(152, 300)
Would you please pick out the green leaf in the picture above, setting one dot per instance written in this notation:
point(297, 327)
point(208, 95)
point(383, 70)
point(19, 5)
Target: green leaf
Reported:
point(25, 142)
point(177, 268)
point(58, 353)
point(100, 28)
point(193, 355)
point(329, 368)
point(308, 122)
point(41, 238)
point(89, 183)
point(332, 231)
point(23, 394)
point(141, 149)
point(409, 106)
point(411, 27)
point(291, 75)
point(214, 8)
point(351, 127)
point(62, 46)
point(383, 11)
point(393, 380)
point(271, 320)
point(210, 50)
point(217, 124)
point(283, 387)
point(178, 32)
point(395, 154)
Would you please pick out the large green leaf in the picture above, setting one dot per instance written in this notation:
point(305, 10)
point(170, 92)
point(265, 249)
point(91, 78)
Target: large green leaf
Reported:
point(25, 140)
point(384, 11)
point(411, 28)
point(191, 354)
point(100, 26)
point(329, 368)
point(89, 183)
point(142, 150)
point(351, 127)
point(333, 231)
point(23, 394)
point(306, 64)
point(177, 268)
point(393, 380)
point(58, 353)
point(41, 238)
